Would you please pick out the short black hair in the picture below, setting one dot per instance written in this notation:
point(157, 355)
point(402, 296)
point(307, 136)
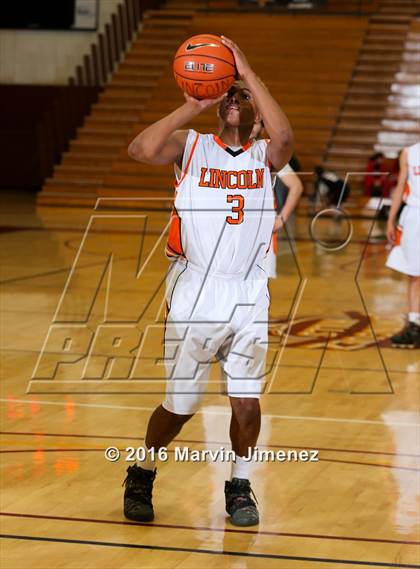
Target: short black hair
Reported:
point(377, 155)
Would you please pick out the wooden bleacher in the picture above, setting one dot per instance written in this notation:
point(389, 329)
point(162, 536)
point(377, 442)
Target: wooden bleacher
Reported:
point(310, 91)
point(297, 57)
point(382, 108)
point(81, 173)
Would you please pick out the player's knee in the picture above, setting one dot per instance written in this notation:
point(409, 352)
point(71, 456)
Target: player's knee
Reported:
point(245, 409)
point(181, 409)
point(182, 419)
point(413, 282)
point(177, 418)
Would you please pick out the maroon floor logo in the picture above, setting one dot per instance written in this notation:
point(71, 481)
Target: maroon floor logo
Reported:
point(350, 331)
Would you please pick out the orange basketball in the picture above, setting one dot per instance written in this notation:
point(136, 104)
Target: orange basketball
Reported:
point(204, 67)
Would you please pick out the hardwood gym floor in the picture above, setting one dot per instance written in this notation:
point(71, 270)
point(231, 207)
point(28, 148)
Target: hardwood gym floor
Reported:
point(336, 386)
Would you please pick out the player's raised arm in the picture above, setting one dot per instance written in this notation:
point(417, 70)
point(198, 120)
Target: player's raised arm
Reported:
point(162, 142)
point(276, 124)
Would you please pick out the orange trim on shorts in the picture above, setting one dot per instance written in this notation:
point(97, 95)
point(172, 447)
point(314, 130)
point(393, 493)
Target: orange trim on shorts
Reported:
point(274, 242)
point(406, 192)
point(274, 234)
point(184, 173)
point(398, 235)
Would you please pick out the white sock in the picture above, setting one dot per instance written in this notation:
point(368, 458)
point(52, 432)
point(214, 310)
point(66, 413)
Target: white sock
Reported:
point(148, 463)
point(240, 468)
point(414, 317)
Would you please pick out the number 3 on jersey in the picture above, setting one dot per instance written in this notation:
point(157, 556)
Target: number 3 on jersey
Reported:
point(238, 209)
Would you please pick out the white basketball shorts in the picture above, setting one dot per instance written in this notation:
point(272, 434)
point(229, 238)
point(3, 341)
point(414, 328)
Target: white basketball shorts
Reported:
point(405, 255)
point(210, 317)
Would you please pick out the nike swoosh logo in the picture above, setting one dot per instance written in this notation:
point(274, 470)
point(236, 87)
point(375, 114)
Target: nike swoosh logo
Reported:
point(190, 46)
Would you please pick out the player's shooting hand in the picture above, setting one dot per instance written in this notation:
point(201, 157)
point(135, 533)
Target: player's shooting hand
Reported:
point(241, 61)
point(202, 104)
point(390, 231)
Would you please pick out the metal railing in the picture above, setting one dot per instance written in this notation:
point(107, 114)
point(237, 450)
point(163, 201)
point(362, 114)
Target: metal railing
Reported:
point(106, 53)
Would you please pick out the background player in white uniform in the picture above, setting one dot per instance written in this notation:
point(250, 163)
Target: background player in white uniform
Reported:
point(287, 205)
point(217, 294)
point(295, 188)
point(405, 254)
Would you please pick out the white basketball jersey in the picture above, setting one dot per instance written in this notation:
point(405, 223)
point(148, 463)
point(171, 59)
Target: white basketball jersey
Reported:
point(223, 213)
point(413, 178)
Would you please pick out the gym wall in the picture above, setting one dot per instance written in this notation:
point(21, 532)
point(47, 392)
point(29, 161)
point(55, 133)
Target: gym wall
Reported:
point(47, 57)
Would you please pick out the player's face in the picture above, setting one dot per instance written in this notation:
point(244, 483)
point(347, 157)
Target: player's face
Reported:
point(238, 107)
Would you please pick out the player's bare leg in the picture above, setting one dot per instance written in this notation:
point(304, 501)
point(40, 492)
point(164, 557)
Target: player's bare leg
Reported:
point(409, 337)
point(244, 430)
point(414, 294)
point(245, 424)
point(162, 429)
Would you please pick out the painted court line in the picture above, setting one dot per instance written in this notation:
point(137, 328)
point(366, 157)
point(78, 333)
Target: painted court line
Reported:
point(201, 441)
point(210, 529)
point(207, 551)
point(170, 451)
point(214, 412)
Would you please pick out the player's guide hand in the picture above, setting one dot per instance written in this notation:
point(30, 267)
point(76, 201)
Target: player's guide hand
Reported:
point(241, 61)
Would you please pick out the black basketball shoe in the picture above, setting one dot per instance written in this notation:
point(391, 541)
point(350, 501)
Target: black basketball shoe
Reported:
point(138, 494)
point(409, 337)
point(239, 504)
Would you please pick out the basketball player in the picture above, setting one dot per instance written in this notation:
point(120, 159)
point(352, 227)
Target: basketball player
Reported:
point(405, 255)
point(217, 297)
